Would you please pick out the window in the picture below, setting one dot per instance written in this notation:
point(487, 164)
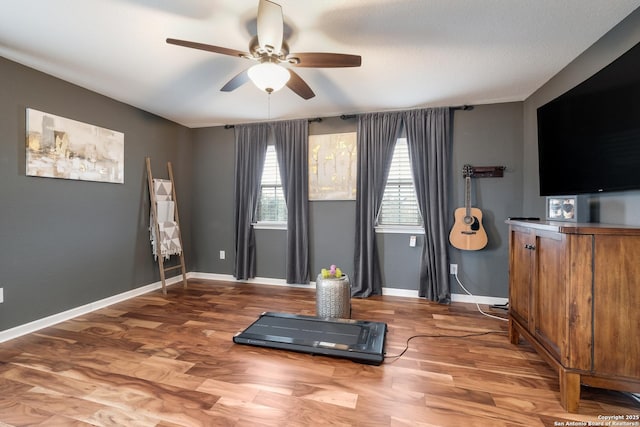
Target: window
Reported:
point(399, 203)
point(271, 205)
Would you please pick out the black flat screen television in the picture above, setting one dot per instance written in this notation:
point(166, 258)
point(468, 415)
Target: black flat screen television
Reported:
point(589, 137)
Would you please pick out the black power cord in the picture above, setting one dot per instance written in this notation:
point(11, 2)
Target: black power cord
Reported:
point(406, 348)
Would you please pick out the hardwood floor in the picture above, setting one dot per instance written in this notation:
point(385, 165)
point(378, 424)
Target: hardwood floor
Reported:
point(156, 361)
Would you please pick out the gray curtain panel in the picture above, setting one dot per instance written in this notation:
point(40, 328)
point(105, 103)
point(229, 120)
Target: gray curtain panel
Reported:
point(292, 142)
point(251, 149)
point(429, 141)
point(377, 136)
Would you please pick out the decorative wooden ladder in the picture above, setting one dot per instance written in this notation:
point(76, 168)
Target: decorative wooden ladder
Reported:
point(155, 225)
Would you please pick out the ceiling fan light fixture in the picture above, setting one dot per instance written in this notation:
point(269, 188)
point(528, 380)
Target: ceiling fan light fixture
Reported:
point(268, 76)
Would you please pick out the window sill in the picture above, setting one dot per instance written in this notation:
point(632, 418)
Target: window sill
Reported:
point(400, 229)
point(269, 225)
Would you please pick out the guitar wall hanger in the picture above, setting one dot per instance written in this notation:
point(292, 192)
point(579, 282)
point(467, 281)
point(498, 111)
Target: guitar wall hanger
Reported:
point(483, 171)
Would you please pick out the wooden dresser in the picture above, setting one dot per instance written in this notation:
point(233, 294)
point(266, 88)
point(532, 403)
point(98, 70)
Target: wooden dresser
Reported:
point(574, 294)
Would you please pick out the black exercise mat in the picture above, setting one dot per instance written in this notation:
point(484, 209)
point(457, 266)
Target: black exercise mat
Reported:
point(358, 340)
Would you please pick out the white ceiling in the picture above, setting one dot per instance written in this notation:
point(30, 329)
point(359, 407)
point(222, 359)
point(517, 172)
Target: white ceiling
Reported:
point(415, 53)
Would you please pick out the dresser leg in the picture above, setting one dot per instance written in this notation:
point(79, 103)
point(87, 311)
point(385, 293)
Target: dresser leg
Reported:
point(569, 390)
point(514, 335)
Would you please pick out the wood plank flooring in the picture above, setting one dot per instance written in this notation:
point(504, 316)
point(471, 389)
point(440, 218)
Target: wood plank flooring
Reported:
point(156, 361)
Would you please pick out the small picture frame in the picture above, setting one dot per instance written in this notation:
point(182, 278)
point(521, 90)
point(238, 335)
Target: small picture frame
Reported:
point(567, 208)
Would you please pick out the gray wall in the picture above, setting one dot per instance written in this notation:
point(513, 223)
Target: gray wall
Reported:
point(614, 208)
point(486, 135)
point(212, 205)
point(489, 135)
point(67, 243)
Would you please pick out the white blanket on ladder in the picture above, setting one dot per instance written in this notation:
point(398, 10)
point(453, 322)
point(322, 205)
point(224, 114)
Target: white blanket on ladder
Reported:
point(169, 239)
point(165, 210)
point(169, 233)
point(162, 189)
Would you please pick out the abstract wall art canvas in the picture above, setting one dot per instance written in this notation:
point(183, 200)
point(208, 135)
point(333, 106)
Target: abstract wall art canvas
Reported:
point(58, 147)
point(332, 166)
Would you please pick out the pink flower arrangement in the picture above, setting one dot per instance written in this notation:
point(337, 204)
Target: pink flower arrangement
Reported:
point(332, 273)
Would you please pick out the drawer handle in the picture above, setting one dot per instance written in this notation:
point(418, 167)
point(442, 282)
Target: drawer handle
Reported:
point(530, 247)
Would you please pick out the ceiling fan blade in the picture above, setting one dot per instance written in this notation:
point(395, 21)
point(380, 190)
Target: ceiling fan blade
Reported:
point(233, 84)
point(208, 48)
point(299, 86)
point(324, 60)
point(270, 26)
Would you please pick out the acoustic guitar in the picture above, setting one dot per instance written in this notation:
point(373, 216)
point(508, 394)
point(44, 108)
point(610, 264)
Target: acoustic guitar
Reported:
point(467, 232)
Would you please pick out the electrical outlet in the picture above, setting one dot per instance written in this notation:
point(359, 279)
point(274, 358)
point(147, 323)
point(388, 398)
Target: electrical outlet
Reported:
point(222, 255)
point(1, 295)
point(412, 241)
point(453, 268)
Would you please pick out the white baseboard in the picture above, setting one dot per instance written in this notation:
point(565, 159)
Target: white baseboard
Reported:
point(212, 276)
point(396, 292)
point(45, 322)
point(36, 325)
point(478, 299)
point(463, 298)
point(255, 280)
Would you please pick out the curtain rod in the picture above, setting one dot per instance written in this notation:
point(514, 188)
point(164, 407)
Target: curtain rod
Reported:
point(461, 107)
point(317, 119)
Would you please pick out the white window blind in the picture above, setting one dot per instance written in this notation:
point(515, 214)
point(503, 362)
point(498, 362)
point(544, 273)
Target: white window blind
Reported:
point(399, 204)
point(271, 206)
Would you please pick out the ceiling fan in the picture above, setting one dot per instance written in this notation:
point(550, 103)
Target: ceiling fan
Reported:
point(272, 54)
